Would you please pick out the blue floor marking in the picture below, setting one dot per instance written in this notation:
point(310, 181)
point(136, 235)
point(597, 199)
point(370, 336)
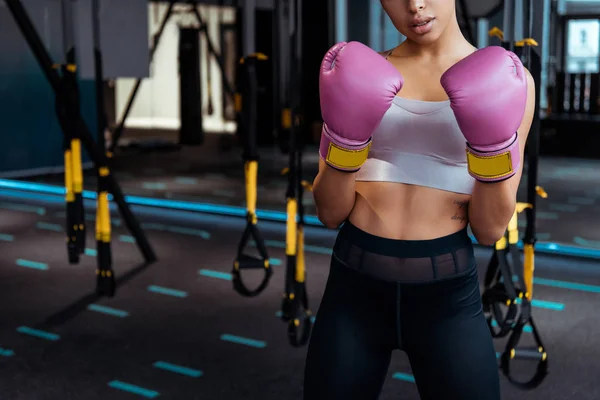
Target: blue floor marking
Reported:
point(550, 305)
point(582, 201)
point(154, 186)
point(6, 352)
point(152, 225)
point(5, 237)
point(586, 242)
point(189, 231)
point(547, 215)
point(275, 261)
point(49, 227)
point(563, 207)
point(91, 252)
point(38, 333)
point(566, 285)
point(177, 229)
point(245, 341)
point(32, 264)
point(404, 377)
point(128, 387)
point(186, 181)
point(167, 291)
point(194, 373)
point(55, 193)
point(127, 239)
point(108, 310)
point(24, 208)
point(215, 274)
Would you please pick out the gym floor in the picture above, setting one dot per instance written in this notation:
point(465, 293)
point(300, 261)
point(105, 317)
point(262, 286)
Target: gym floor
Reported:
point(177, 330)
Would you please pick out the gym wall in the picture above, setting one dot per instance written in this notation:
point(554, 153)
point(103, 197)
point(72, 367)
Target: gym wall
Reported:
point(30, 137)
point(157, 105)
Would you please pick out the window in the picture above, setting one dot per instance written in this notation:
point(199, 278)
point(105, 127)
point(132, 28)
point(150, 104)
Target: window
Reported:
point(582, 46)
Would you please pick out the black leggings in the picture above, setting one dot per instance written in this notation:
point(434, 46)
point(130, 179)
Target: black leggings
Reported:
point(418, 296)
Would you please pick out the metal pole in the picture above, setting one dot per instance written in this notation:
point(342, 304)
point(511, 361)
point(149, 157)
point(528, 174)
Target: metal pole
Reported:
point(509, 22)
point(99, 75)
point(249, 27)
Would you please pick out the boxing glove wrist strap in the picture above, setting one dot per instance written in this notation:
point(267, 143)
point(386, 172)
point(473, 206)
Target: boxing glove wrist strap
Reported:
point(496, 162)
point(343, 154)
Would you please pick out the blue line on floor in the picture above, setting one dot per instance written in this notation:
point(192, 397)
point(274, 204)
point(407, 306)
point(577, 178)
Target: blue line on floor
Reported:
point(6, 352)
point(582, 201)
point(547, 215)
point(23, 208)
point(189, 231)
point(49, 227)
point(91, 252)
point(154, 186)
point(128, 387)
point(167, 291)
point(404, 377)
point(566, 285)
point(54, 193)
point(215, 274)
point(550, 305)
point(108, 310)
point(32, 264)
point(38, 333)
point(194, 373)
point(245, 341)
point(586, 242)
point(152, 225)
point(563, 207)
point(275, 261)
point(543, 236)
point(5, 237)
point(186, 181)
point(127, 239)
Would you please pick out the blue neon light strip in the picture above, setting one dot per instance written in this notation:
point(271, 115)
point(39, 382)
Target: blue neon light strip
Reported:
point(267, 215)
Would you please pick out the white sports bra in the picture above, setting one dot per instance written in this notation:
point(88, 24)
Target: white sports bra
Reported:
point(419, 143)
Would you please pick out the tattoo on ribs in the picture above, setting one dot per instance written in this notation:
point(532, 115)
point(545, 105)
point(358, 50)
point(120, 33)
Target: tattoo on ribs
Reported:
point(459, 218)
point(461, 203)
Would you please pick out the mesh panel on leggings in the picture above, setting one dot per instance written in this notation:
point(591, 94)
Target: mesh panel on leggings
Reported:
point(397, 269)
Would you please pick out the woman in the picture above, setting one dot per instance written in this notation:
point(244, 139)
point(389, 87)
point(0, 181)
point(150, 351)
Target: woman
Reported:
point(417, 143)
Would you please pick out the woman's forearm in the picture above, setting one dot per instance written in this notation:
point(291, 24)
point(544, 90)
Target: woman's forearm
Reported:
point(491, 207)
point(334, 192)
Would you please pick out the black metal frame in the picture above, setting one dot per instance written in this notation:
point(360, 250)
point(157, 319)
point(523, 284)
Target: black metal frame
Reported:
point(79, 126)
point(224, 28)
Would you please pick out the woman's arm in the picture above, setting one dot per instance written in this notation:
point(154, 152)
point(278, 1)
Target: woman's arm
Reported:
point(334, 193)
point(493, 204)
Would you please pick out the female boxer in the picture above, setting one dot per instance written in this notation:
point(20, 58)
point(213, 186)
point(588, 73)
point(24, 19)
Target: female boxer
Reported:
point(417, 143)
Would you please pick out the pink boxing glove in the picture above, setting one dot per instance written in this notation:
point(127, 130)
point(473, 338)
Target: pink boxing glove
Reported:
point(357, 86)
point(488, 94)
